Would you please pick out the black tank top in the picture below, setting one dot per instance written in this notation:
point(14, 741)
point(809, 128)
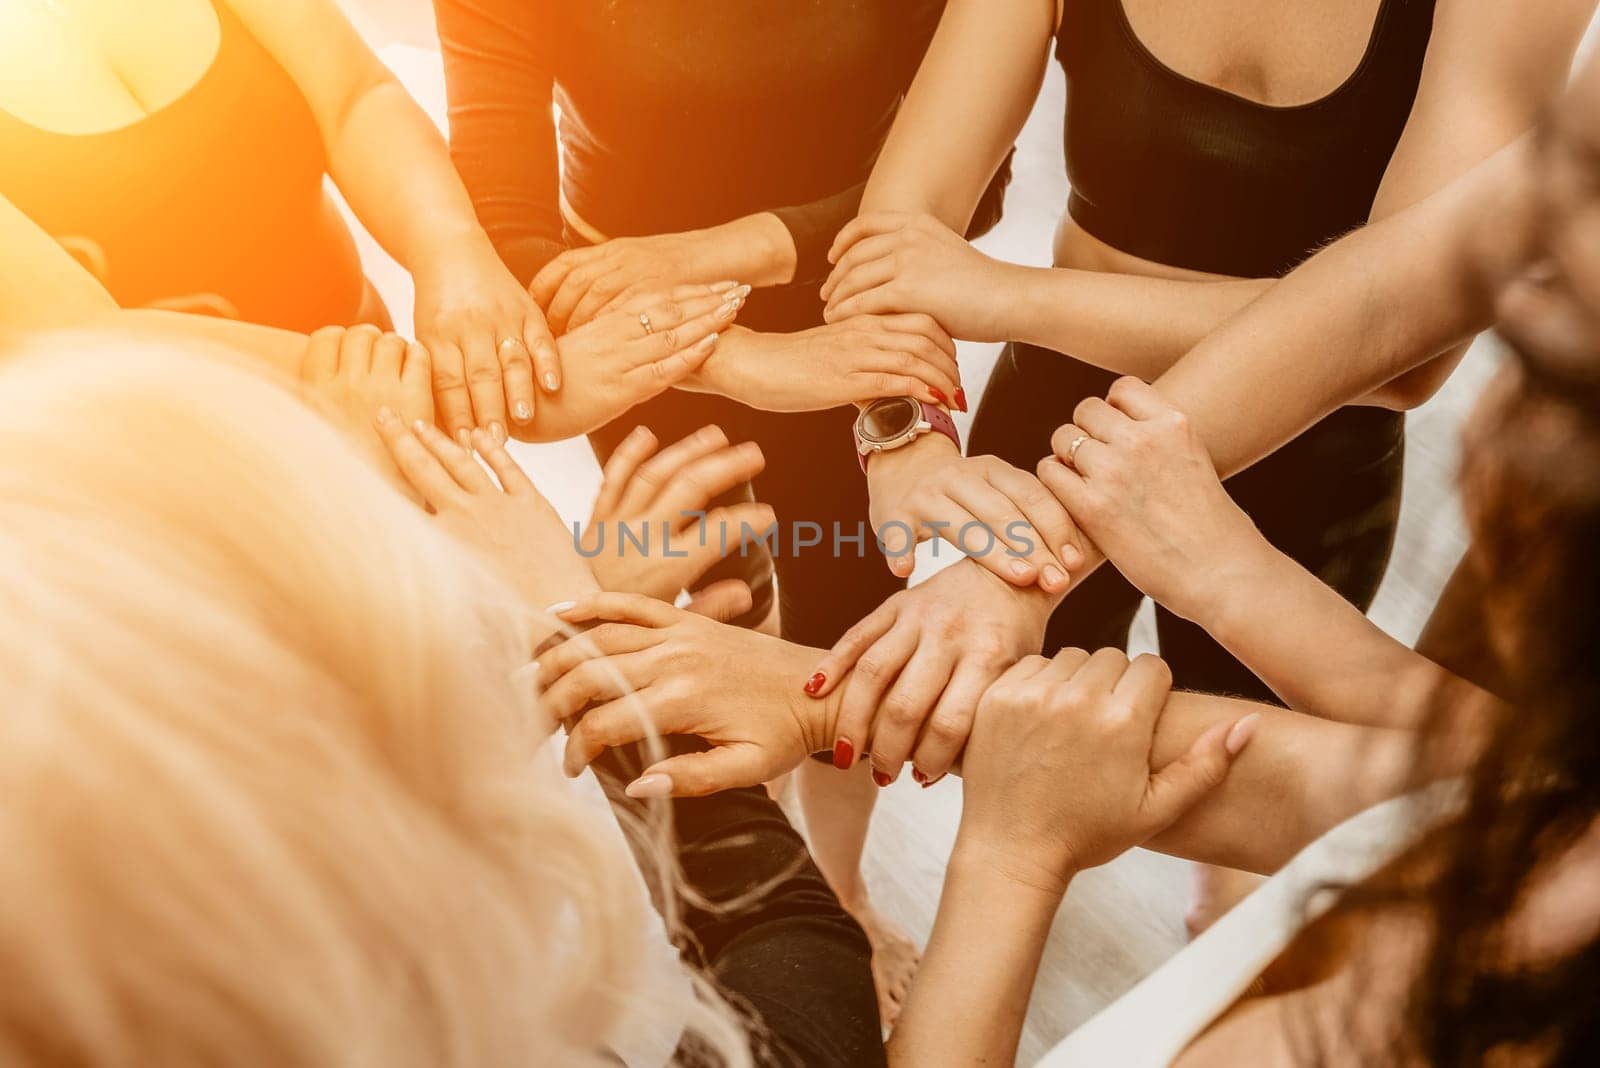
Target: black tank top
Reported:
point(1182, 173)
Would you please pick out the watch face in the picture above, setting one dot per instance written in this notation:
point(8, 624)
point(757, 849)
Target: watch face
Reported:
point(885, 420)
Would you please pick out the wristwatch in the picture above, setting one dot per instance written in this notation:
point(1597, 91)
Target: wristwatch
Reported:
point(895, 422)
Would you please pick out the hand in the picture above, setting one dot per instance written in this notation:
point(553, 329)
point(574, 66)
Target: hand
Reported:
point(618, 363)
point(488, 341)
point(582, 283)
point(853, 362)
point(660, 499)
point(1057, 774)
point(362, 369)
point(649, 669)
point(1143, 487)
point(511, 523)
point(889, 262)
point(920, 663)
point(1001, 517)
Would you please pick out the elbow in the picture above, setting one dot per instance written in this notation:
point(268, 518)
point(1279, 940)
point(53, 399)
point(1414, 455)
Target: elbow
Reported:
point(1416, 387)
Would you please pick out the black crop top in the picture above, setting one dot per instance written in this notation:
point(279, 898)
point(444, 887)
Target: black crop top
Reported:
point(1182, 173)
point(674, 115)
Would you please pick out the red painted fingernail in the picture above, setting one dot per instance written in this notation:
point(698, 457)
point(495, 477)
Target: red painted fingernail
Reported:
point(917, 776)
point(930, 782)
point(938, 395)
point(844, 754)
point(815, 684)
point(961, 399)
point(880, 778)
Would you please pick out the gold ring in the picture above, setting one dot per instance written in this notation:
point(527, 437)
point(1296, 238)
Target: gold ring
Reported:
point(644, 321)
point(1072, 450)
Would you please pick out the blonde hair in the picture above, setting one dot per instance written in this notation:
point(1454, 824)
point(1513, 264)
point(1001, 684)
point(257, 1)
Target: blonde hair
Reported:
point(270, 792)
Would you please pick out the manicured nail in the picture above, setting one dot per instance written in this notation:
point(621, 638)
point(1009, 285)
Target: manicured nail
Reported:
point(1070, 554)
point(930, 782)
point(522, 411)
point(729, 309)
point(917, 776)
point(844, 754)
point(706, 342)
point(649, 787)
point(1021, 568)
point(815, 683)
point(561, 606)
point(552, 381)
point(497, 431)
point(464, 439)
point(939, 396)
point(961, 399)
point(1054, 577)
point(881, 779)
point(742, 292)
point(1241, 733)
point(722, 287)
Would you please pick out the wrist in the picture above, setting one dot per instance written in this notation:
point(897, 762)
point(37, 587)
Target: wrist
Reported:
point(755, 249)
point(1247, 571)
point(721, 373)
point(980, 863)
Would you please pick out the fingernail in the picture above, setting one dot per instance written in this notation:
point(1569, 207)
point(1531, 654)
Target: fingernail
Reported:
point(1054, 577)
point(561, 606)
point(418, 425)
point(722, 287)
point(1070, 554)
point(552, 381)
point(464, 439)
point(1241, 733)
point(939, 396)
point(498, 432)
point(1021, 568)
point(917, 776)
point(385, 415)
point(844, 754)
point(742, 292)
point(706, 342)
point(522, 411)
point(881, 779)
point(649, 787)
point(961, 399)
point(728, 310)
point(815, 683)
point(930, 782)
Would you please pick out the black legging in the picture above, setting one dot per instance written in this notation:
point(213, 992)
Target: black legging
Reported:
point(796, 964)
point(1330, 499)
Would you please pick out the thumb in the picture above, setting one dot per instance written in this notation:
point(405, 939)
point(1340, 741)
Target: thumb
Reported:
point(897, 538)
point(699, 774)
point(1181, 785)
point(722, 601)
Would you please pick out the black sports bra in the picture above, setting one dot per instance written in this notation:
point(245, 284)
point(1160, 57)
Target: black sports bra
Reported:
point(1178, 172)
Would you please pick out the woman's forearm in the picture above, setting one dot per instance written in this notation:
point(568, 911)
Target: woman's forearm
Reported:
point(972, 988)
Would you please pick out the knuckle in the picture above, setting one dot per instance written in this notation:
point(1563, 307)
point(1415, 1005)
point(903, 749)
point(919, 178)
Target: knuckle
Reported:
point(871, 666)
point(900, 710)
point(483, 373)
point(669, 339)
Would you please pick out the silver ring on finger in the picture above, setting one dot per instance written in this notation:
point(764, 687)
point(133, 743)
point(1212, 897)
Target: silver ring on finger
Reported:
point(644, 321)
point(1072, 450)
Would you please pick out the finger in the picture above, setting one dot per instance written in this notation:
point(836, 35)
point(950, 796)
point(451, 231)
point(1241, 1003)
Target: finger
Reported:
point(1101, 421)
point(558, 311)
point(389, 356)
point(516, 373)
point(621, 721)
point(1181, 785)
point(607, 639)
point(658, 472)
point(703, 480)
point(723, 601)
point(1048, 518)
point(546, 356)
point(870, 680)
point(998, 535)
point(513, 479)
point(643, 300)
point(848, 649)
point(1025, 669)
point(864, 291)
point(549, 279)
point(922, 325)
point(719, 534)
point(599, 680)
point(416, 374)
point(868, 249)
point(321, 361)
point(1142, 692)
point(1099, 675)
point(602, 292)
point(727, 767)
point(418, 465)
point(945, 733)
point(876, 222)
point(915, 355)
point(618, 473)
point(667, 372)
point(452, 402)
point(1138, 398)
point(355, 350)
point(677, 324)
point(1077, 449)
point(622, 608)
point(906, 705)
point(467, 472)
point(484, 382)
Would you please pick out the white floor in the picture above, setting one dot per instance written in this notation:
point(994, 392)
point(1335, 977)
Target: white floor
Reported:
point(1121, 921)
